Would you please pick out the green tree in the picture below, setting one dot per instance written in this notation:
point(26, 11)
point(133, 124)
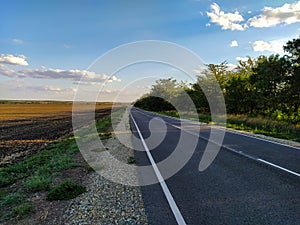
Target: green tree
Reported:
point(240, 97)
point(239, 94)
point(162, 93)
point(269, 80)
point(208, 85)
point(166, 88)
point(292, 48)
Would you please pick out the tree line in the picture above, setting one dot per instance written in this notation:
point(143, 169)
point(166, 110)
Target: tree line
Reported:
point(266, 85)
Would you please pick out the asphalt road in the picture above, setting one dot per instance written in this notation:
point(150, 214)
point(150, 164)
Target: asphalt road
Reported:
point(251, 181)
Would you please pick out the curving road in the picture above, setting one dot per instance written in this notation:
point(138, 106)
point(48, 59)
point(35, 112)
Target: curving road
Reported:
point(251, 181)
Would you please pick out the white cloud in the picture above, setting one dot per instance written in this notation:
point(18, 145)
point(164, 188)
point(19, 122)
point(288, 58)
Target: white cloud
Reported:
point(13, 60)
point(52, 88)
point(5, 71)
point(23, 86)
point(82, 76)
point(286, 14)
point(271, 46)
point(241, 58)
point(227, 21)
point(75, 75)
point(234, 43)
point(17, 41)
point(48, 89)
point(231, 66)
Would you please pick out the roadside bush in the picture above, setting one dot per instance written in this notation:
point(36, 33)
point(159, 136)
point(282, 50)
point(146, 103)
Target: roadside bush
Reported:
point(65, 191)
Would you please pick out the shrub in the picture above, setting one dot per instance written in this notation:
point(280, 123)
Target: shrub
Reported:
point(65, 191)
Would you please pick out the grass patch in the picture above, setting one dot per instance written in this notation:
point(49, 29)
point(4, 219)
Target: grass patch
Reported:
point(38, 183)
point(11, 200)
point(265, 126)
point(104, 124)
point(131, 160)
point(23, 209)
point(65, 191)
point(103, 127)
point(34, 174)
point(258, 125)
point(105, 135)
point(55, 158)
point(8, 203)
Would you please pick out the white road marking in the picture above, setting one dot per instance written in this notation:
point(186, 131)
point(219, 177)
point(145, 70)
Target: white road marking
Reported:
point(236, 151)
point(279, 167)
point(178, 216)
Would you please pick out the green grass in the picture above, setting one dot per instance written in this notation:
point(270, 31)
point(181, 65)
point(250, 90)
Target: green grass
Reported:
point(11, 200)
point(23, 209)
point(131, 160)
point(56, 158)
point(104, 124)
point(65, 191)
point(38, 183)
point(14, 205)
point(34, 174)
point(265, 126)
point(103, 127)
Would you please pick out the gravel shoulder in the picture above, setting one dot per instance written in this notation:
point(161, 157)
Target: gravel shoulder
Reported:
point(105, 201)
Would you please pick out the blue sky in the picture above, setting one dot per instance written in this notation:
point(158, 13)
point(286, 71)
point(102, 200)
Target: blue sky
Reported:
point(45, 46)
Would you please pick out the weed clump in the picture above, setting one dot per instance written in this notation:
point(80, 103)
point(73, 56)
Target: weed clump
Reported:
point(131, 160)
point(11, 200)
point(38, 183)
point(65, 191)
point(23, 209)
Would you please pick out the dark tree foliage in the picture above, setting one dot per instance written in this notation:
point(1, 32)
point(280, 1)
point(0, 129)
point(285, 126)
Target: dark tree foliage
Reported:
point(269, 79)
point(293, 84)
point(293, 49)
point(153, 103)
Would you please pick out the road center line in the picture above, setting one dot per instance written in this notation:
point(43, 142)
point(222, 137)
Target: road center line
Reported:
point(178, 216)
point(235, 151)
point(279, 167)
